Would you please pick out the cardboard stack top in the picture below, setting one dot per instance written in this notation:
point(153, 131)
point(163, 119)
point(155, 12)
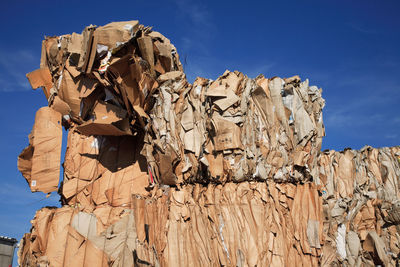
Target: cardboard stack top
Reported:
point(234, 129)
point(162, 172)
point(125, 79)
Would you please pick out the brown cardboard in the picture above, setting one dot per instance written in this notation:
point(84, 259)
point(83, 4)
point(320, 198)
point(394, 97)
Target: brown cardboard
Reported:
point(69, 92)
point(75, 44)
point(82, 252)
point(265, 223)
point(73, 186)
point(116, 32)
point(87, 52)
point(108, 120)
point(41, 78)
point(43, 55)
point(25, 161)
point(125, 71)
point(53, 55)
point(224, 172)
point(209, 226)
point(227, 134)
point(40, 162)
point(81, 156)
point(146, 48)
point(167, 161)
point(60, 106)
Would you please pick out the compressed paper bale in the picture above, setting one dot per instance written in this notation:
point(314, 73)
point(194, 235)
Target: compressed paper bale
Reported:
point(257, 139)
point(289, 203)
point(365, 197)
point(264, 128)
point(197, 225)
point(263, 223)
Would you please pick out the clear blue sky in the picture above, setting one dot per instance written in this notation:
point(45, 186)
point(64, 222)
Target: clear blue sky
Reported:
point(351, 50)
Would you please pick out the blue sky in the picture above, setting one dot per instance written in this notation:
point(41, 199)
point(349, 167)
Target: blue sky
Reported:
point(351, 50)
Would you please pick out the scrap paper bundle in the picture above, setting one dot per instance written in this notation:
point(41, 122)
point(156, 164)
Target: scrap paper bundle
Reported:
point(161, 172)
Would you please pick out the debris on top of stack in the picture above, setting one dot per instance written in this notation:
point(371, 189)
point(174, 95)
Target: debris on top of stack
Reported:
point(125, 79)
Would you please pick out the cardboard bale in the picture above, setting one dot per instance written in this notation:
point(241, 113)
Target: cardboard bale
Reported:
point(235, 224)
point(117, 60)
point(245, 224)
point(234, 129)
point(128, 80)
point(360, 194)
point(161, 172)
point(249, 223)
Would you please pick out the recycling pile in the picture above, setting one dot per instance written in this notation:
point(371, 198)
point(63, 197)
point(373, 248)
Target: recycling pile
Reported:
point(361, 192)
point(162, 172)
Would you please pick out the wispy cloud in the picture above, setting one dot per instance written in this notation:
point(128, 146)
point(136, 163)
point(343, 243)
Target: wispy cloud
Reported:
point(194, 45)
point(392, 136)
point(198, 14)
point(18, 207)
point(354, 113)
point(374, 106)
point(13, 66)
point(362, 29)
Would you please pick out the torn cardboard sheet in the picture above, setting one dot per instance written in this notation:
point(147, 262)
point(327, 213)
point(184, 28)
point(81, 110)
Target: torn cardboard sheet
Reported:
point(106, 119)
point(41, 78)
point(40, 161)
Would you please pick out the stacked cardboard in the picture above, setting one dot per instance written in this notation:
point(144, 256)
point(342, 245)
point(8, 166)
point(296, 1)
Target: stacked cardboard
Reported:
point(125, 79)
point(361, 193)
point(162, 172)
point(234, 129)
point(244, 224)
point(351, 218)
